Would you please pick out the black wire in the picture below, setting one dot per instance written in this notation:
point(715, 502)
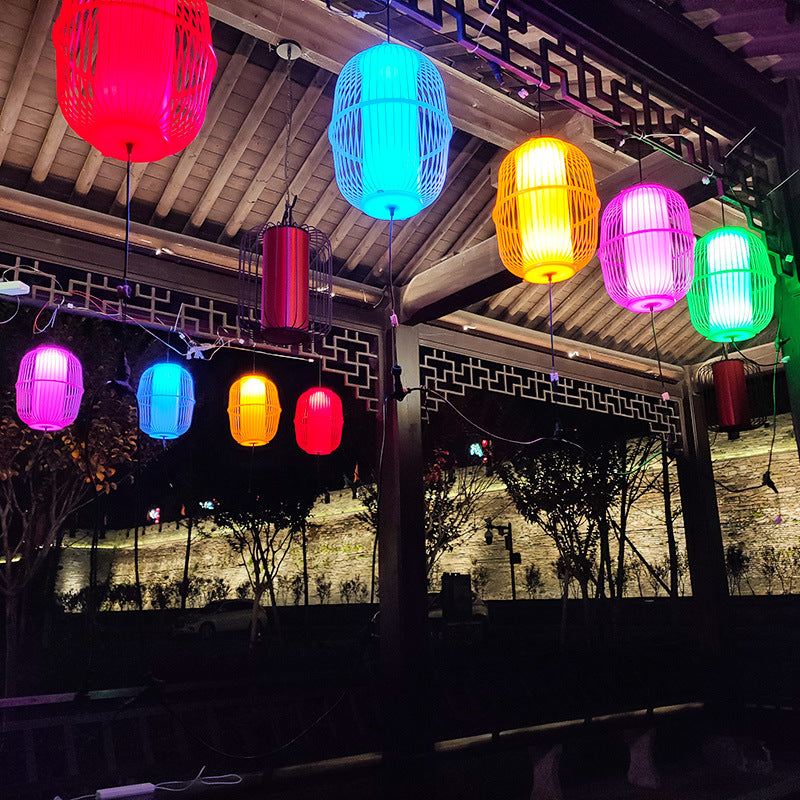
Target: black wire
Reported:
point(658, 355)
point(552, 347)
point(747, 358)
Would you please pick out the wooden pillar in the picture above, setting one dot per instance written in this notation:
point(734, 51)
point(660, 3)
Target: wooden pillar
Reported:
point(704, 548)
point(401, 554)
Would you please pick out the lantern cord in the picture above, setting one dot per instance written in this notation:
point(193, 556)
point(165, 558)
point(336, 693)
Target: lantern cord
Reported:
point(539, 106)
point(722, 203)
point(553, 373)
point(485, 23)
point(289, 110)
point(658, 355)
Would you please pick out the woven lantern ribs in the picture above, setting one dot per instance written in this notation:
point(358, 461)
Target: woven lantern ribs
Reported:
point(134, 72)
point(546, 211)
point(647, 248)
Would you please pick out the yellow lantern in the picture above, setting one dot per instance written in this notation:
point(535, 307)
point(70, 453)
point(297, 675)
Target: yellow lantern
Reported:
point(546, 214)
point(253, 410)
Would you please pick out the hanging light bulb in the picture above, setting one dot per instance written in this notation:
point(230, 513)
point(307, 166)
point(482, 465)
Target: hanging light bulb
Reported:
point(546, 210)
point(49, 388)
point(165, 396)
point(733, 294)
point(253, 410)
point(647, 248)
point(390, 131)
point(134, 72)
point(318, 421)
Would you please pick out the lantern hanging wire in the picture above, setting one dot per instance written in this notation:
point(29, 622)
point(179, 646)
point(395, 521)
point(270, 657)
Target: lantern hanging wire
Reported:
point(285, 287)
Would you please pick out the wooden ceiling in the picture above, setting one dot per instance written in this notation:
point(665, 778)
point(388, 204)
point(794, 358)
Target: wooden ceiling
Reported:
point(232, 177)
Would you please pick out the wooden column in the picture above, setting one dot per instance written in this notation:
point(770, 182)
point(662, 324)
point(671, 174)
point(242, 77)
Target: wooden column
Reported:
point(403, 641)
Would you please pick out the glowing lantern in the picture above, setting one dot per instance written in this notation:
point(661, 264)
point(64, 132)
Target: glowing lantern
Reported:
point(166, 401)
point(253, 410)
point(546, 211)
point(134, 72)
point(318, 421)
point(49, 388)
point(647, 248)
point(733, 293)
point(390, 131)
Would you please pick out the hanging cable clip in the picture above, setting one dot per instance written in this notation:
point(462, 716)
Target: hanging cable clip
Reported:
point(399, 392)
point(766, 480)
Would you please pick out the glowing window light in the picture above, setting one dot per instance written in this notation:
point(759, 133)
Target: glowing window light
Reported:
point(546, 210)
point(390, 131)
point(253, 410)
point(166, 401)
point(733, 294)
point(49, 388)
point(318, 421)
point(647, 248)
point(134, 72)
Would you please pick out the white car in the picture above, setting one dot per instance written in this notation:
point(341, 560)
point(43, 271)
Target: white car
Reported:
point(221, 616)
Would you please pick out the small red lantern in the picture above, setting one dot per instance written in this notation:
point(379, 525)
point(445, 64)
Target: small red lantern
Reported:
point(733, 406)
point(134, 73)
point(318, 421)
point(284, 285)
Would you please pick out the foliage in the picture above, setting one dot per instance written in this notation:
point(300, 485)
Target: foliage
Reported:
point(322, 586)
point(453, 495)
point(533, 580)
point(260, 528)
point(566, 492)
point(353, 590)
point(480, 578)
point(737, 564)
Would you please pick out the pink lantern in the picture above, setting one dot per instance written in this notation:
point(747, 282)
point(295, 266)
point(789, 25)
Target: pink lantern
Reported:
point(318, 421)
point(49, 388)
point(647, 248)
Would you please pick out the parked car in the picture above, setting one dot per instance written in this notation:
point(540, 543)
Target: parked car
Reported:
point(221, 616)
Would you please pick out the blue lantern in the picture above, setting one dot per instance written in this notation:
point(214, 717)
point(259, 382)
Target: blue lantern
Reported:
point(390, 132)
point(166, 401)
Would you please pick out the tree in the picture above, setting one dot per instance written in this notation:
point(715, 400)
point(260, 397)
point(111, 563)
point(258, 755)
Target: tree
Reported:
point(260, 528)
point(453, 496)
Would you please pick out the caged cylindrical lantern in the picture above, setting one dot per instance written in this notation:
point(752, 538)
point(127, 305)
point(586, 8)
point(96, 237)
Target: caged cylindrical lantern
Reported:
point(390, 131)
point(733, 294)
point(49, 388)
point(546, 210)
point(134, 72)
point(730, 388)
point(165, 396)
point(253, 410)
point(318, 421)
point(647, 248)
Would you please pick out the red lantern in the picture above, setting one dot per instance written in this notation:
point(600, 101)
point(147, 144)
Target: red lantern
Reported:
point(318, 421)
point(733, 406)
point(134, 73)
point(284, 284)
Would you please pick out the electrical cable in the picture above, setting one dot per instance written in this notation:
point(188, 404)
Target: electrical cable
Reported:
point(665, 393)
point(230, 779)
point(14, 314)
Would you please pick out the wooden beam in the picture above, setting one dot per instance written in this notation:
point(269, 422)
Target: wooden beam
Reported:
point(274, 157)
point(38, 34)
point(323, 204)
point(216, 104)
point(47, 153)
point(235, 151)
point(137, 173)
point(304, 174)
point(91, 166)
point(467, 236)
point(329, 40)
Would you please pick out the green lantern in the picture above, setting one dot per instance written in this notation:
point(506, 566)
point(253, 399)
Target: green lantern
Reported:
point(733, 293)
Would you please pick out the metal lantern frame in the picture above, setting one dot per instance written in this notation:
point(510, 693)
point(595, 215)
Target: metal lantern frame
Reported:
point(318, 421)
point(732, 297)
point(390, 131)
point(253, 423)
point(759, 397)
point(647, 248)
point(134, 72)
point(546, 213)
point(250, 290)
point(49, 388)
point(165, 397)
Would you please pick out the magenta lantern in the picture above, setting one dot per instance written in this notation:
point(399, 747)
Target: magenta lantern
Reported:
point(49, 388)
point(318, 421)
point(647, 248)
point(134, 72)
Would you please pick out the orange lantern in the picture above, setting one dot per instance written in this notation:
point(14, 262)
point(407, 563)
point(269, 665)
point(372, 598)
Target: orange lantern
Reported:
point(546, 214)
point(253, 410)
